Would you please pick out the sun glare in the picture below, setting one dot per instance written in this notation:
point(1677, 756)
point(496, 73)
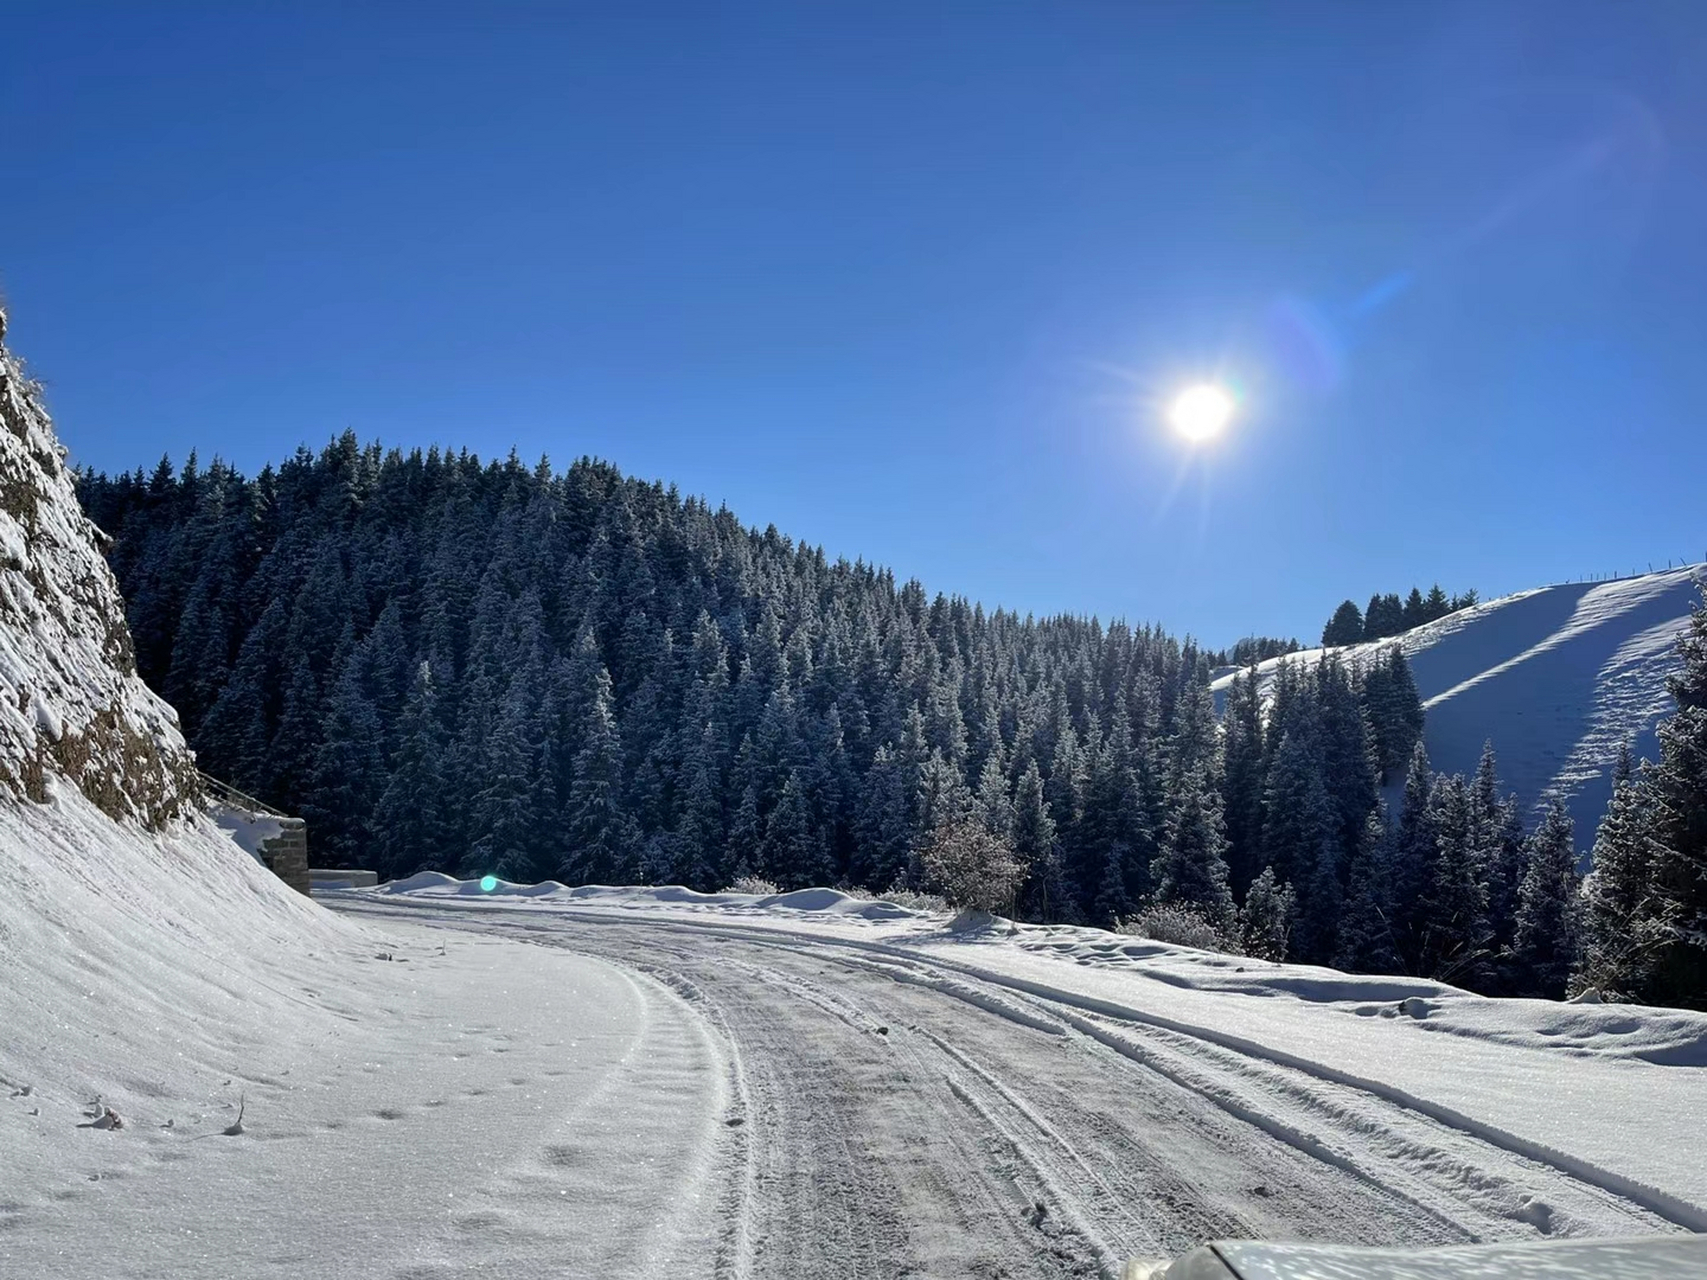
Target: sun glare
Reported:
point(1200, 413)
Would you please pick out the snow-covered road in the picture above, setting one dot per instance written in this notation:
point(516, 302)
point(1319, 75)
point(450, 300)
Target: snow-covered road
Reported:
point(883, 1113)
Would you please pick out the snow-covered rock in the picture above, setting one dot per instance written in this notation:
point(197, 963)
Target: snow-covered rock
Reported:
point(71, 703)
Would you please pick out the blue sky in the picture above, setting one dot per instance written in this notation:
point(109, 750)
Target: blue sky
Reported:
point(912, 281)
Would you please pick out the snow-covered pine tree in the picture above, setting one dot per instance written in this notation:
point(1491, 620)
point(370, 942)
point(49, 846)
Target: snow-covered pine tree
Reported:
point(1544, 948)
point(600, 844)
point(1366, 942)
point(1457, 937)
point(883, 831)
point(1623, 916)
point(794, 852)
point(1675, 809)
point(1043, 894)
point(1395, 712)
point(1242, 754)
point(1266, 919)
point(1413, 855)
point(1191, 869)
point(991, 803)
point(410, 823)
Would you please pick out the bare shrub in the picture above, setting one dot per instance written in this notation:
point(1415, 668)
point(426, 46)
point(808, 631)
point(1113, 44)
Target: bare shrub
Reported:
point(1175, 923)
point(758, 886)
point(971, 867)
point(931, 903)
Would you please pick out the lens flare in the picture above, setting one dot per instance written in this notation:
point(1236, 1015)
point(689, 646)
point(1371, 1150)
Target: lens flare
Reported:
point(488, 883)
point(1201, 413)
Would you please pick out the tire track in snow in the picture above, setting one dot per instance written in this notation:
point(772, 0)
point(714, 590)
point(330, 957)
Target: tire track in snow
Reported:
point(1120, 1120)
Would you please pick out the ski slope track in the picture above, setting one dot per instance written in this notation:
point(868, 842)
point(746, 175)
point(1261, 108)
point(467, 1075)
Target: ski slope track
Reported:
point(1557, 678)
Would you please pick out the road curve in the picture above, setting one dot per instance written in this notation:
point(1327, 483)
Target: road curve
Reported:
point(890, 1118)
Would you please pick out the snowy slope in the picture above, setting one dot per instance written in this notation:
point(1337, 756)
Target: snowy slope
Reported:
point(1558, 678)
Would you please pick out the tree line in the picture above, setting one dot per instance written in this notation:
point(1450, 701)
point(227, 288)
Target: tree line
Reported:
point(478, 667)
point(1387, 615)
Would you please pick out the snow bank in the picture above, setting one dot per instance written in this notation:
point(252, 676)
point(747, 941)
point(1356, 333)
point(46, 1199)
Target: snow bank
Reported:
point(1557, 677)
point(805, 902)
point(413, 1104)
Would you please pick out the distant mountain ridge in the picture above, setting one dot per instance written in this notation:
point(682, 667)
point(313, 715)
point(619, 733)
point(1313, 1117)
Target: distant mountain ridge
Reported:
point(1557, 678)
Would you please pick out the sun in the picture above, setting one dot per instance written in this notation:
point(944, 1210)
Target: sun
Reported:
point(1200, 413)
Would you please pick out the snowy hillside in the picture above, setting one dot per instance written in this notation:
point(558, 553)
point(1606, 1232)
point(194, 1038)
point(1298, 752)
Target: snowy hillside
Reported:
point(1557, 677)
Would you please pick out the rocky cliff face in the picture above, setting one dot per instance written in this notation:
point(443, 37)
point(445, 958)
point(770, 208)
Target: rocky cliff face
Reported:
point(72, 707)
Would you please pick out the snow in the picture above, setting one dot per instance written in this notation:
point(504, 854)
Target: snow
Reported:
point(1614, 1096)
point(205, 1075)
point(249, 830)
point(452, 1104)
point(1558, 678)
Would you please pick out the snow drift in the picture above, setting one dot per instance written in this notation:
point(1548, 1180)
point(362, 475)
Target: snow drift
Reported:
point(1557, 678)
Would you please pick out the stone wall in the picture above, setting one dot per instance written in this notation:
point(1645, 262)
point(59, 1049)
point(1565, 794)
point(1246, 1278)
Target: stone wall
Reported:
point(286, 854)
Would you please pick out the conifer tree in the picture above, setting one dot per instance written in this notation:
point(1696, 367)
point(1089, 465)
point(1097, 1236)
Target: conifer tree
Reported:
point(1675, 812)
point(1345, 627)
point(599, 843)
point(1243, 752)
point(1545, 947)
point(1191, 868)
point(1624, 921)
point(882, 828)
point(1414, 851)
point(1366, 941)
point(1266, 919)
point(409, 821)
point(1416, 611)
point(793, 852)
point(1457, 937)
point(1043, 894)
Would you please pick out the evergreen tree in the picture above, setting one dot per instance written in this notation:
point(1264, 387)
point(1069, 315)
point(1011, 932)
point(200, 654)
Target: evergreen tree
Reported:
point(1043, 894)
point(1457, 937)
point(1243, 753)
point(1674, 805)
point(410, 824)
point(793, 852)
point(991, 804)
point(1414, 851)
point(599, 843)
point(1623, 924)
point(882, 828)
point(1265, 921)
point(1545, 947)
point(1395, 713)
point(1191, 868)
point(348, 776)
point(1416, 611)
point(1345, 627)
point(1366, 941)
